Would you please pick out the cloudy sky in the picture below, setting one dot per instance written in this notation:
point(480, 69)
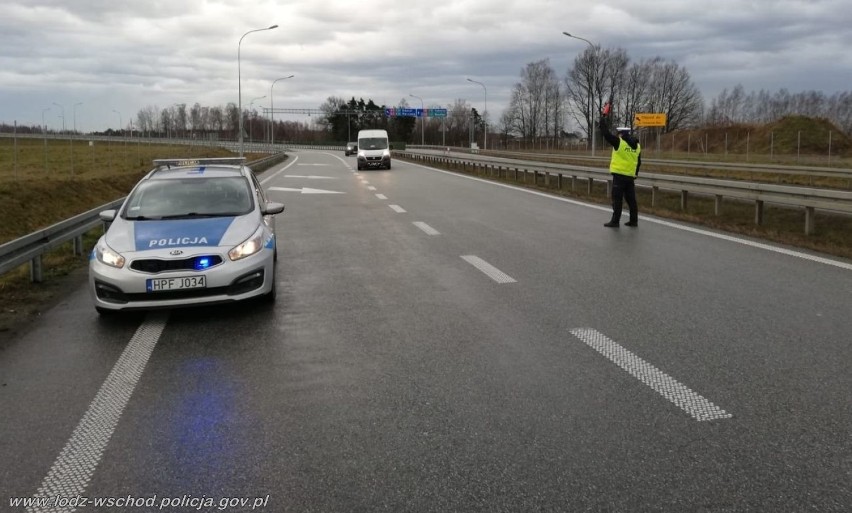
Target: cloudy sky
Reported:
point(114, 57)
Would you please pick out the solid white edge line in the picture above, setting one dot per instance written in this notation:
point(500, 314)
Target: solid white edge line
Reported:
point(692, 403)
point(644, 219)
point(489, 270)
point(70, 474)
point(273, 175)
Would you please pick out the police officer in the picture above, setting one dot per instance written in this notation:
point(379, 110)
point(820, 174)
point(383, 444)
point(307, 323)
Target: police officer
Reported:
point(624, 167)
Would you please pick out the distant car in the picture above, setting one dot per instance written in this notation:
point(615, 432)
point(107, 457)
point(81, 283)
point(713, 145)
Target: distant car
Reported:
point(351, 148)
point(191, 232)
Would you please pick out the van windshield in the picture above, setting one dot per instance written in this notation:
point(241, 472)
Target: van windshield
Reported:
point(373, 143)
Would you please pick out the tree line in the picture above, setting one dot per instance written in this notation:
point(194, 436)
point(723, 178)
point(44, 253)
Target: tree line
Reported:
point(542, 107)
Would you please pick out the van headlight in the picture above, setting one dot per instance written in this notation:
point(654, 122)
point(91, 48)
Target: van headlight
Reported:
point(106, 255)
point(386, 153)
point(248, 247)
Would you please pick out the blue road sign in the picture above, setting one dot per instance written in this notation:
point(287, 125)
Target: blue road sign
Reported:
point(415, 113)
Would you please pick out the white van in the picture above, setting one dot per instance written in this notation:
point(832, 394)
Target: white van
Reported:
point(373, 149)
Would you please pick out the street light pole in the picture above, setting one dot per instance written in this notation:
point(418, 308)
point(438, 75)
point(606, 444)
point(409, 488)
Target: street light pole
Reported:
point(74, 110)
point(240, 84)
point(63, 115)
point(422, 120)
point(272, 110)
point(44, 133)
point(594, 81)
point(75, 115)
point(121, 128)
point(484, 115)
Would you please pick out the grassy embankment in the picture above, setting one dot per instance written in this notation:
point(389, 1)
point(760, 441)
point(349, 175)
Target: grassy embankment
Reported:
point(38, 189)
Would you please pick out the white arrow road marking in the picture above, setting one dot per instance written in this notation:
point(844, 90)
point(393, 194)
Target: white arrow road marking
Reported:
point(426, 228)
point(312, 177)
point(491, 271)
point(70, 474)
point(305, 190)
point(695, 405)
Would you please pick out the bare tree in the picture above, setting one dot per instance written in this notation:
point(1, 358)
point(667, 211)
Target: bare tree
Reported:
point(195, 118)
point(180, 118)
point(458, 123)
point(535, 107)
point(674, 94)
point(597, 76)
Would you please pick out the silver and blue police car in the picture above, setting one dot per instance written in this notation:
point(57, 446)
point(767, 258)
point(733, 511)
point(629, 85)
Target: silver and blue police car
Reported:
point(192, 231)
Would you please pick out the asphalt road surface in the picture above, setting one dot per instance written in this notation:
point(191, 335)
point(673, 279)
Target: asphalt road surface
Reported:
point(441, 343)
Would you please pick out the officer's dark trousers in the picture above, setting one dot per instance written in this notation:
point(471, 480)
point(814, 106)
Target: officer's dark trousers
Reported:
point(624, 188)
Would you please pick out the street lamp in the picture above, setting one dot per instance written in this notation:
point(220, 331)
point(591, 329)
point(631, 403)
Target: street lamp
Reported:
point(422, 120)
point(592, 91)
point(121, 128)
point(240, 85)
point(484, 114)
point(71, 140)
point(75, 115)
point(61, 115)
point(250, 119)
point(44, 133)
point(272, 110)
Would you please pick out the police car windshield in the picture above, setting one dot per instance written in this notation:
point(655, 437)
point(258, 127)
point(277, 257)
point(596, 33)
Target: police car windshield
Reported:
point(195, 197)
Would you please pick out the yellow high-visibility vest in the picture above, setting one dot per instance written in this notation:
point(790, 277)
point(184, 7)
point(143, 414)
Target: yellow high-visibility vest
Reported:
point(625, 159)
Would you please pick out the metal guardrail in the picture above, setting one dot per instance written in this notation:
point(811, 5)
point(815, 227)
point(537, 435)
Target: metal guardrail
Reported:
point(807, 198)
point(812, 171)
point(31, 248)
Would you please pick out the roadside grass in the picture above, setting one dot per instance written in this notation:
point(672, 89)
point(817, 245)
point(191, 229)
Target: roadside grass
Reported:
point(32, 198)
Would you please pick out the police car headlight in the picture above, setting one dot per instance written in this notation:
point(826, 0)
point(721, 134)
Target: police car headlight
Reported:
point(249, 247)
point(106, 255)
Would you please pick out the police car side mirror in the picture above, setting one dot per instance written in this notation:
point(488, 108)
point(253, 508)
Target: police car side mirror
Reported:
point(271, 208)
point(107, 216)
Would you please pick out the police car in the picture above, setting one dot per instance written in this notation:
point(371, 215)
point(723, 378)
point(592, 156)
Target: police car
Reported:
point(192, 231)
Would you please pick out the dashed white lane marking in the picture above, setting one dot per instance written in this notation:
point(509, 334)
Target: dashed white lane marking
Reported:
point(381, 196)
point(70, 474)
point(397, 209)
point(426, 228)
point(371, 188)
point(491, 271)
point(695, 405)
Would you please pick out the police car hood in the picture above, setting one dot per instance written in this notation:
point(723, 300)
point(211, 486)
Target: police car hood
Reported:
point(126, 236)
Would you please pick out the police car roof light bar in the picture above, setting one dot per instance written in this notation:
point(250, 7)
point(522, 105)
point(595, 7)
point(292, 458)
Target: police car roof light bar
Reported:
point(188, 162)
